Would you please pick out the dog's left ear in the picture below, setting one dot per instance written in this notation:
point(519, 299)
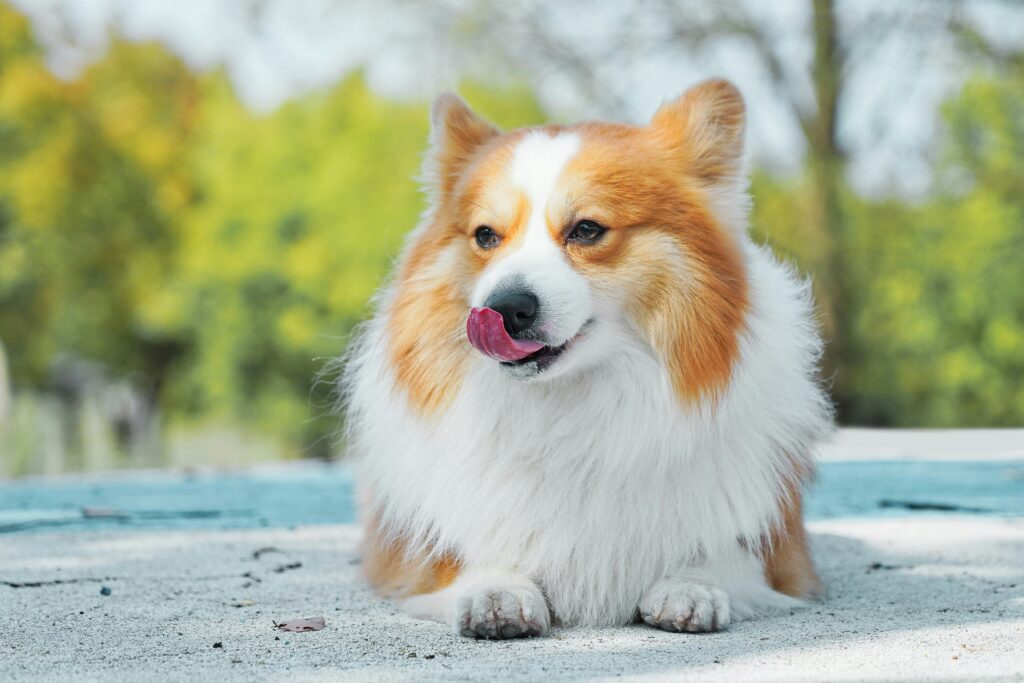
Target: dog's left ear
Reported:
point(456, 133)
point(705, 126)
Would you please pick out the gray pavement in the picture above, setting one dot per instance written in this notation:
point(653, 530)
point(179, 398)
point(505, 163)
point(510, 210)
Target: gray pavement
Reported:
point(911, 599)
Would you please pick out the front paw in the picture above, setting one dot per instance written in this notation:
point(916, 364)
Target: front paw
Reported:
point(502, 611)
point(681, 605)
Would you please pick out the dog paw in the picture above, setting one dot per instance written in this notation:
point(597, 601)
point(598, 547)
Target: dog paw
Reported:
point(680, 605)
point(500, 611)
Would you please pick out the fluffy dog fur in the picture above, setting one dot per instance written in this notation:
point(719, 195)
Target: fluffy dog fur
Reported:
point(654, 469)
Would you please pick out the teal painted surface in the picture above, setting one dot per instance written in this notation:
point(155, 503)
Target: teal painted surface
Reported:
point(323, 494)
point(278, 497)
point(899, 488)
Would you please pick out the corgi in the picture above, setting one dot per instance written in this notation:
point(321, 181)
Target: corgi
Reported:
point(586, 396)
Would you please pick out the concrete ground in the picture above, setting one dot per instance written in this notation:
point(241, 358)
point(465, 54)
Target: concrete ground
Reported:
point(911, 599)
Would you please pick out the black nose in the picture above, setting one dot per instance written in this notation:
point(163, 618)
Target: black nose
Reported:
point(517, 307)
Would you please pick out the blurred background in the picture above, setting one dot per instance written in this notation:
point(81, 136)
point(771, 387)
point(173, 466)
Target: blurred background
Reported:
point(198, 198)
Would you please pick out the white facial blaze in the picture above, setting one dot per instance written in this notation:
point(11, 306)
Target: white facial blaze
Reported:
point(537, 162)
point(537, 261)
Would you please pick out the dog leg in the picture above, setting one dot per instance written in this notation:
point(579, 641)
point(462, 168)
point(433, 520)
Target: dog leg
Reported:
point(494, 604)
point(705, 598)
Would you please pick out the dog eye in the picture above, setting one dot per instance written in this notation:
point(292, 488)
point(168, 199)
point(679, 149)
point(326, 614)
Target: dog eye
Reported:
point(586, 232)
point(486, 237)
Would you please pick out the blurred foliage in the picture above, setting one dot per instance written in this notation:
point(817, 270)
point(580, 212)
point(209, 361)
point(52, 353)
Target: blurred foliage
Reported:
point(936, 288)
point(940, 320)
point(151, 223)
point(89, 180)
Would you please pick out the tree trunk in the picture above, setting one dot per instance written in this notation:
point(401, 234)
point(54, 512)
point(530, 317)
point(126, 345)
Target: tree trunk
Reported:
point(826, 162)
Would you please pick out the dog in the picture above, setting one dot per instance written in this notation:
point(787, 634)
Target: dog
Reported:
point(586, 396)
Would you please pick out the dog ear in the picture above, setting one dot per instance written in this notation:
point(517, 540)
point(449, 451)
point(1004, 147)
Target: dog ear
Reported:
point(456, 132)
point(705, 126)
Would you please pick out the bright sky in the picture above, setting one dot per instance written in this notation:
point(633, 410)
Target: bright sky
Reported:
point(889, 120)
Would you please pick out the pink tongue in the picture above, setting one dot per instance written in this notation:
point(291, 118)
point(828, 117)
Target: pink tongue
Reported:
point(486, 332)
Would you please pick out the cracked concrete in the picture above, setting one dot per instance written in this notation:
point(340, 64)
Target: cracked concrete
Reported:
point(52, 582)
point(912, 599)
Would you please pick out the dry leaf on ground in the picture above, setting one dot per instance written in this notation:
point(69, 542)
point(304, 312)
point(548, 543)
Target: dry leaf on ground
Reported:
point(300, 625)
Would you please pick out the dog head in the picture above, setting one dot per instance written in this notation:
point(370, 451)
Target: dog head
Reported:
point(548, 248)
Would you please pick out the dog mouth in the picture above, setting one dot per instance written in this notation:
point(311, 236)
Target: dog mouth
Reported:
point(543, 357)
point(486, 331)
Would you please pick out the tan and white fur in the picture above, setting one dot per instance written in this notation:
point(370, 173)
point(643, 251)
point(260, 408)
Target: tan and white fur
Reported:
point(653, 472)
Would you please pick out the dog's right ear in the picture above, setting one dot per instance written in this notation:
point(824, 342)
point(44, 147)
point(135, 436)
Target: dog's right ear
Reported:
point(456, 132)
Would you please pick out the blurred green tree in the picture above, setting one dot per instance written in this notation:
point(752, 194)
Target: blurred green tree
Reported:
point(939, 331)
point(91, 173)
point(936, 305)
